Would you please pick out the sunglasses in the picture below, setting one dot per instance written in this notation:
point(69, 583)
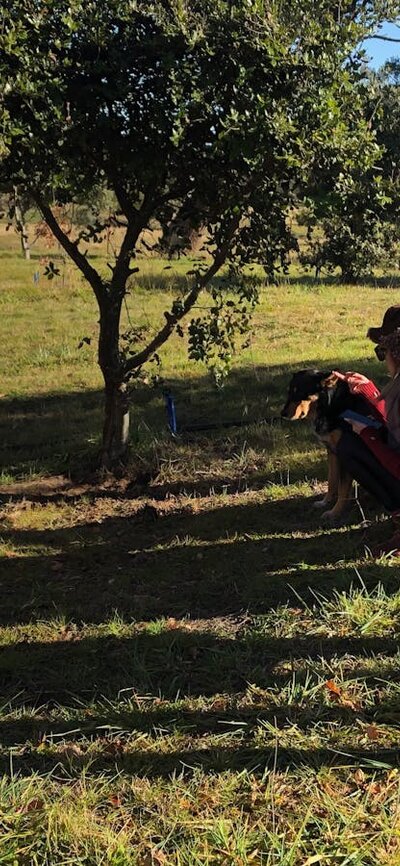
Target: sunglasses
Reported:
point(380, 352)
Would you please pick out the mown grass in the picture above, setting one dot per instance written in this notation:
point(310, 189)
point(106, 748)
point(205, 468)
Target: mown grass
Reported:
point(193, 670)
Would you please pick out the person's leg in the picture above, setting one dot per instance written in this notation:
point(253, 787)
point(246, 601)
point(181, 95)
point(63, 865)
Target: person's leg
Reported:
point(356, 458)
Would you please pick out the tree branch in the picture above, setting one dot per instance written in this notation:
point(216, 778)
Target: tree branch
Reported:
point(121, 269)
point(90, 273)
point(127, 208)
point(137, 220)
point(172, 318)
point(383, 38)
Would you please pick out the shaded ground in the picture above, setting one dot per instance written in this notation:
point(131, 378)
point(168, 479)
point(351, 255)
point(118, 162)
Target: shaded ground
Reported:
point(43, 435)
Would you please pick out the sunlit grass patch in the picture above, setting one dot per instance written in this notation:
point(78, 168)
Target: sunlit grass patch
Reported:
point(358, 611)
point(351, 817)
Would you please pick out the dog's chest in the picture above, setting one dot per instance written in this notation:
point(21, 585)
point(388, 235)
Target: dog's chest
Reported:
point(331, 405)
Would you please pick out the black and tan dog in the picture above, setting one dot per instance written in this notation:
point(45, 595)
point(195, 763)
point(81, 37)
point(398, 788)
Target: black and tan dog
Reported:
point(321, 397)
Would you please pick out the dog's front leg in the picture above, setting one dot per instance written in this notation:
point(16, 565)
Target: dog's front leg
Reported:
point(341, 480)
point(333, 482)
point(344, 497)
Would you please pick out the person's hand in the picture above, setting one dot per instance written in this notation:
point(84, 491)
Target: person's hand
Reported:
point(355, 381)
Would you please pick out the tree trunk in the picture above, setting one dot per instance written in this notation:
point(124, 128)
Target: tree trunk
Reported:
point(21, 226)
point(25, 246)
point(116, 407)
point(349, 277)
point(116, 423)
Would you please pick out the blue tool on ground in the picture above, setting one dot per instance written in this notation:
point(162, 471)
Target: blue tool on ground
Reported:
point(349, 415)
point(170, 404)
point(201, 427)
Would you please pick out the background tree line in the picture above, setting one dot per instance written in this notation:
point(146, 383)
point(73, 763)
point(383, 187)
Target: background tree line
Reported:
point(352, 217)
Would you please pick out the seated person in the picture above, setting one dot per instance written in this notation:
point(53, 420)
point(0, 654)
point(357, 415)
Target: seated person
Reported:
point(372, 456)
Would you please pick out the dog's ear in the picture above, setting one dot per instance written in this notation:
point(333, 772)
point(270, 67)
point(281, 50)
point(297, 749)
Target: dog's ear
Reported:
point(319, 377)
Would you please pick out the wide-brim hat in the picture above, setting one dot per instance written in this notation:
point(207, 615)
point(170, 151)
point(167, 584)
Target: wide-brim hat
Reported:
point(390, 322)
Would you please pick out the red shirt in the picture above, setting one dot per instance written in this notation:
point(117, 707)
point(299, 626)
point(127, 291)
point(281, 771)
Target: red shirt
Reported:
point(387, 457)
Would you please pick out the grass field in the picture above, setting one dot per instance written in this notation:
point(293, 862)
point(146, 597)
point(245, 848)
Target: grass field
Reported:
point(193, 670)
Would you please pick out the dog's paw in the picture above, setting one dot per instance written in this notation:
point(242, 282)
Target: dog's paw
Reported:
point(322, 503)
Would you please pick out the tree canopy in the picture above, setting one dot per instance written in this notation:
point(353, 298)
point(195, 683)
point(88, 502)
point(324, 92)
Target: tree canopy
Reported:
point(354, 208)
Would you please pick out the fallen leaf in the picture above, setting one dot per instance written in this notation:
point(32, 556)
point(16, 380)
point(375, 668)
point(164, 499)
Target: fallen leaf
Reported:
point(341, 697)
point(372, 732)
point(333, 688)
point(359, 777)
point(347, 702)
point(115, 800)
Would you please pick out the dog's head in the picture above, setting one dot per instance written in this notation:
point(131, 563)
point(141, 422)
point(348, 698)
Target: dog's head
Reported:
point(304, 390)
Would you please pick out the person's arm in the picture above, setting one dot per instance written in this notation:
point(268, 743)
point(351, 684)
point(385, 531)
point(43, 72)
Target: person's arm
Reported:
point(372, 395)
point(359, 384)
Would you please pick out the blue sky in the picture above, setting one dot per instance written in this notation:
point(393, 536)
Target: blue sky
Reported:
point(380, 51)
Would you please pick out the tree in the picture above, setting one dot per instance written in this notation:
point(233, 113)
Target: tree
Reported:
point(384, 114)
point(352, 215)
point(350, 226)
point(193, 113)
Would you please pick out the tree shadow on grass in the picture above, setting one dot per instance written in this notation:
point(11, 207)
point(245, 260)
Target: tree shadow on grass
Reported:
point(214, 563)
point(185, 663)
point(387, 281)
point(157, 763)
point(231, 561)
point(175, 280)
point(64, 680)
point(61, 432)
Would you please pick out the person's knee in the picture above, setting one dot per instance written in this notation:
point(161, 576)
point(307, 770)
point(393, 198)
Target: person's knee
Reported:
point(347, 444)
